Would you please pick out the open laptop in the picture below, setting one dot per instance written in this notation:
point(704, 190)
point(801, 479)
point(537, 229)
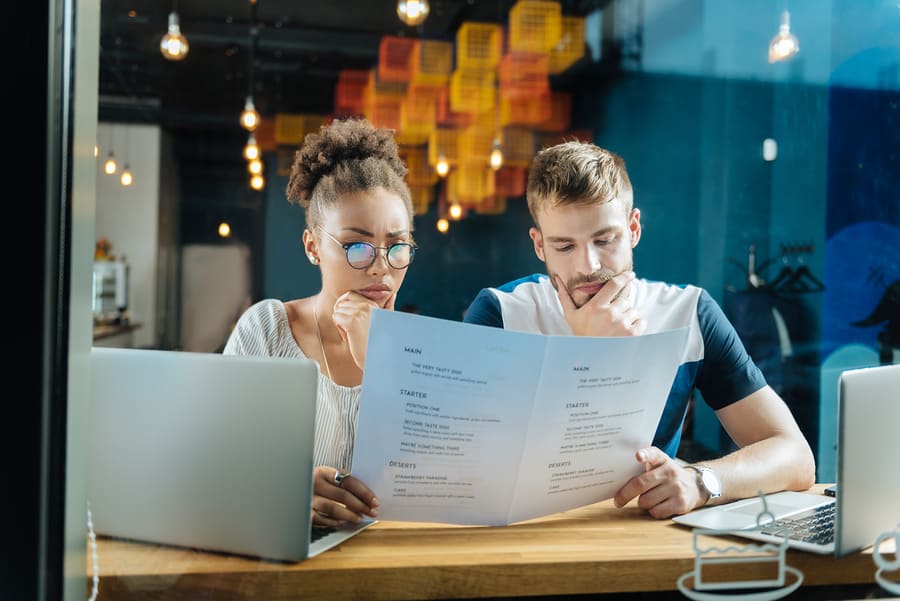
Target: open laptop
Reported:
point(867, 501)
point(208, 451)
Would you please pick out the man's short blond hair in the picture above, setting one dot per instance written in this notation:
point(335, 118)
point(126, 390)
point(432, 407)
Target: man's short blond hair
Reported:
point(576, 173)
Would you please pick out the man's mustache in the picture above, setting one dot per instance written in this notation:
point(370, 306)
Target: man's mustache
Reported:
point(597, 277)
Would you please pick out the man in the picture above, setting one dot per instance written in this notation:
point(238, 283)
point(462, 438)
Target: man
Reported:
point(586, 228)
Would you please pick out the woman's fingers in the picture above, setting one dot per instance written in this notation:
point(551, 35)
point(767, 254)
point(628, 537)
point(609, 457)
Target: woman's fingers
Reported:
point(345, 501)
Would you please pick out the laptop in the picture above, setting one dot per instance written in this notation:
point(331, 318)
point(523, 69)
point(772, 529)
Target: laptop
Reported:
point(867, 498)
point(208, 451)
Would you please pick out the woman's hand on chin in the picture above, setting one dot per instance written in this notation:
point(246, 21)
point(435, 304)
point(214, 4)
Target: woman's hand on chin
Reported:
point(352, 316)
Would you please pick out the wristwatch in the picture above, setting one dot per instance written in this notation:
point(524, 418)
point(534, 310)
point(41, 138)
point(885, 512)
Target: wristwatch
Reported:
point(708, 481)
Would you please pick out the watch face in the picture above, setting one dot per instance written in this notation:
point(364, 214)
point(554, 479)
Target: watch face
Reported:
point(711, 482)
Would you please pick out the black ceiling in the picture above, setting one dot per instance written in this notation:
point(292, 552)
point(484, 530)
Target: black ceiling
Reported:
point(291, 50)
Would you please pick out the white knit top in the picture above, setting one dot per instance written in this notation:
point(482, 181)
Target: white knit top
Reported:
point(263, 330)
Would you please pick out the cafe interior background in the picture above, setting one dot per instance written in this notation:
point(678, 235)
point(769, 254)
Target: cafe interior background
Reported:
point(762, 139)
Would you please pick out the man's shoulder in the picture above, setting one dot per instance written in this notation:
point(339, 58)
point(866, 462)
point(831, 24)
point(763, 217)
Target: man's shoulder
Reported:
point(497, 305)
point(523, 283)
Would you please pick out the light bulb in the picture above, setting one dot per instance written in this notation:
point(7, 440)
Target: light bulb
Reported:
point(249, 117)
point(442, 167)
point(255, 166)
point(496, 155)
point(174, 46)
point(413, 12)
point(251, 150)
point(257, 182)
point(443, 225)
point(224, 230)
point(785, 44)
point(110, 166)
point(126, 179)
point(455, 211)
point(96, 151)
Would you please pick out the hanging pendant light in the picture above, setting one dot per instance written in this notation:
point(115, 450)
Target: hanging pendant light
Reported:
point(785, 44)
point(496, 155)
point(413, 12)
point(443, 166)
point(249, 116)
point(126, 179)
point(110, 166)
point(251, 149)
point(174, 46)
point(257, 182)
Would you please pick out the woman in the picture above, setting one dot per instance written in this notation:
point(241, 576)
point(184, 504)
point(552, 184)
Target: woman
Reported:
point(359, 217)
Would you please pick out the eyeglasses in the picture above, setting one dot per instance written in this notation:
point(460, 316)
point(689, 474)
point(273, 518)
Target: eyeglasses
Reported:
point(361, 255)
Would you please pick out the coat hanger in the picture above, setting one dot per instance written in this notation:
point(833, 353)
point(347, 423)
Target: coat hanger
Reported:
point(804, 281)
point(785, 275)
point(801, 280)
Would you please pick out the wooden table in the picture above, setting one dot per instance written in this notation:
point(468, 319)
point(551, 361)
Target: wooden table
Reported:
point(594, 549)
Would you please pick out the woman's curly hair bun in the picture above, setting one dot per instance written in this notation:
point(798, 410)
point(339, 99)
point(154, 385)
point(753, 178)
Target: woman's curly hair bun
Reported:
point(340, 141)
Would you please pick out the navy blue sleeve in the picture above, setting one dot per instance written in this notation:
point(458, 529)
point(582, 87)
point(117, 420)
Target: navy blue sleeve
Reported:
point(728, 373)
point(485, 310)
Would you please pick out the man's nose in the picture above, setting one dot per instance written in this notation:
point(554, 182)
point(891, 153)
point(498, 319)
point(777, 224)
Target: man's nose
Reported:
point(590, 259)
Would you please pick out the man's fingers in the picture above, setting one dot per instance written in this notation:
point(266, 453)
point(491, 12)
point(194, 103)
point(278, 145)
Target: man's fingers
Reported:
point(632, 489)
point(625, 291)
point(651, 457)
point(614, 289)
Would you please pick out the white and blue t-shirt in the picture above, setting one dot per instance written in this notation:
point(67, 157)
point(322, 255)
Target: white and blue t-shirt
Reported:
point(715, 361)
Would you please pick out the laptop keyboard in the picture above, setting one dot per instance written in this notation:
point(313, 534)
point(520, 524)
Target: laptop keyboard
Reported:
point(318, 532)
point(814, 526)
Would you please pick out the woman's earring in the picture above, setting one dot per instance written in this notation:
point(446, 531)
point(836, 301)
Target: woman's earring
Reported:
point(313, 259)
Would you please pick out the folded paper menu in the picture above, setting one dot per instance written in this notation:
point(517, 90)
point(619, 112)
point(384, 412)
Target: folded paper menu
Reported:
point(468, 424)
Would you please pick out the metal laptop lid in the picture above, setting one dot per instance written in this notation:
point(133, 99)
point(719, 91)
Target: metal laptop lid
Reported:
point(203, 450)
point(868, 459)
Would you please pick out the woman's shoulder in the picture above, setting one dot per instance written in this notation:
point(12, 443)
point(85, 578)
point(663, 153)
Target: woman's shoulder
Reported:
point(267, 314)
point(268, 307)
point(263, 329)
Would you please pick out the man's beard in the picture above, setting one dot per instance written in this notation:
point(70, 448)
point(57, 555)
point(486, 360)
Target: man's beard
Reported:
point(599, 277)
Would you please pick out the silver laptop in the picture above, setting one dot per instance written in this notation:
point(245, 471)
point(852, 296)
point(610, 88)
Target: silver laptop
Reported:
point(867, 501)
point(206, 451)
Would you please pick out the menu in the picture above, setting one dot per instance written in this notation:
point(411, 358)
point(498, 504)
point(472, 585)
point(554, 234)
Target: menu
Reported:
point(468, 424)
